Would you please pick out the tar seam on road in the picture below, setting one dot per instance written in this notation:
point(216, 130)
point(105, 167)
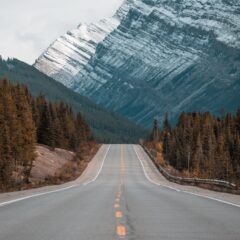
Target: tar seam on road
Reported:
point(178, 190)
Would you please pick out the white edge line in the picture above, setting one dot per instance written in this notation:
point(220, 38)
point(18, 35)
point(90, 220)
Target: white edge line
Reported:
point(53, 191)
point(35, 195)
point(144, 170)
point(178, 190)
point(100, 169)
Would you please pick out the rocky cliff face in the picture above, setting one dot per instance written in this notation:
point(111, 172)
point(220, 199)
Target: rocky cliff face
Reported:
point(71, 52)
point(160, 56)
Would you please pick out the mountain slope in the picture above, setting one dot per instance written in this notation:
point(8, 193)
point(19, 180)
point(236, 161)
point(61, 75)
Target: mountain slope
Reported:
point(71, 52)
point(106, 125)
point(166, 56)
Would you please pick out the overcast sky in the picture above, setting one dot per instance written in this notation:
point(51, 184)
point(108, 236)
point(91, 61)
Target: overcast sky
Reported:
point(27, 27)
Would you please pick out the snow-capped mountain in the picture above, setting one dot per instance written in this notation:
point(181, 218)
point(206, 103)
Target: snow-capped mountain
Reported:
point(154, 56)
point(69, 53)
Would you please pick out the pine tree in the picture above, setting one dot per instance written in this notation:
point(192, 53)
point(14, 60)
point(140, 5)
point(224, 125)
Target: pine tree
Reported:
point(166, 124)
point(221, 165)
point(24, 121)
point(155, 134)
point(166, 135)
point(9, 128)
point(198, 157)
point(6, 165)
point(207, 145)
point(28, 131)
point(45, 133)
point(57, 132)
point(5, 151)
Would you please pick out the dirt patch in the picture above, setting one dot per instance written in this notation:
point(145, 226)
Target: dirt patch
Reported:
point(48, 162)
point(74, 168)
point(56, 166)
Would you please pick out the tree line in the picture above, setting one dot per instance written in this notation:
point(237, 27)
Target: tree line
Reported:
point(107, 126)
point(204, 145)
point(26, 120)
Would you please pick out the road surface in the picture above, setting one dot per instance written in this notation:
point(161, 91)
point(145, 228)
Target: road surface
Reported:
point(119, 196)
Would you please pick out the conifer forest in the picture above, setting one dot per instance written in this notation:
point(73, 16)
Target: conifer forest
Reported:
point(27, 120)
point(202, 144)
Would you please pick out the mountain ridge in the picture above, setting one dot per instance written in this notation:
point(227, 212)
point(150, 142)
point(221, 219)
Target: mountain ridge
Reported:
point(166, 56)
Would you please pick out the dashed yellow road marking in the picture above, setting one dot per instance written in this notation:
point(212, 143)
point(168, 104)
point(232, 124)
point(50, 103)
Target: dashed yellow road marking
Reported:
point(116, 205)
point(121, 231)
point(118, 214)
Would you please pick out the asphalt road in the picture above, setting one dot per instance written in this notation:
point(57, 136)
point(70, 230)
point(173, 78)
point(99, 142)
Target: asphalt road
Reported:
point(118, 197)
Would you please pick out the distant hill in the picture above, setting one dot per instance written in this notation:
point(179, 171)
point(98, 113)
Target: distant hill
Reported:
point(107, 127)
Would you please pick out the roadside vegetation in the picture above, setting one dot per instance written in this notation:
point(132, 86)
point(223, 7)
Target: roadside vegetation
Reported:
point(26, 121)
point(200, 145)
point(74, 168)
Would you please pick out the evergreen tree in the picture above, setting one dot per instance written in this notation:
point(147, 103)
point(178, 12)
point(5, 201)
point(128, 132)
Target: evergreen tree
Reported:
point(155, 134)
point(24, 121)
point(198, 157)
point(166, 135)
point(27, 130)
point(206, 145)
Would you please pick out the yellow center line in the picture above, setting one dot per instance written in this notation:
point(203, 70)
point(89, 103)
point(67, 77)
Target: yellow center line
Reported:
point(116, 205)
point(120, 228)
point(121, 231)
point(118, 214)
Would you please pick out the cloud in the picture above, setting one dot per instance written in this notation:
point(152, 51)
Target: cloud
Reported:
point(28, 27)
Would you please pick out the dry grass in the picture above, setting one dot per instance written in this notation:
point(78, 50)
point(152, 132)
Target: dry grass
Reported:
point(74, 168)
point(56, 167)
